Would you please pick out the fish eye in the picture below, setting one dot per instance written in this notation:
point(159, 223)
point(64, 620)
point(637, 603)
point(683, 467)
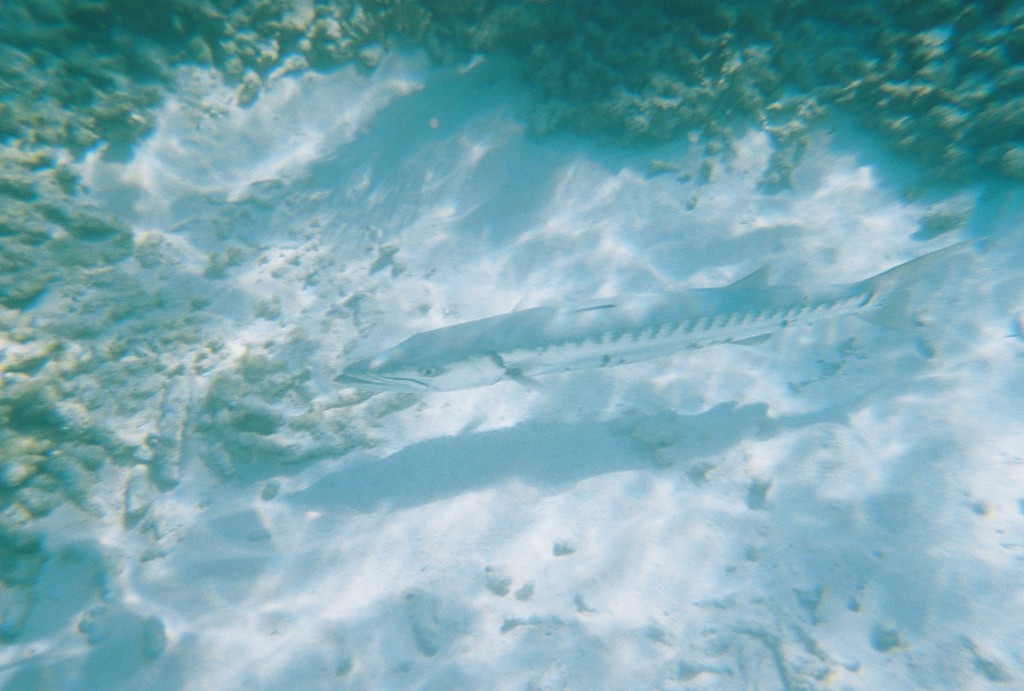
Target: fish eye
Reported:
point(430, 371)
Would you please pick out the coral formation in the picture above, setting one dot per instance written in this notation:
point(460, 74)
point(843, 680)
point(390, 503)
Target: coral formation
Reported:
point(937, 80)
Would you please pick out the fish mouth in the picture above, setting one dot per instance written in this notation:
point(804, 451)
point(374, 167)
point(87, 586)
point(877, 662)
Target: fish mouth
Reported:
point(378, 382)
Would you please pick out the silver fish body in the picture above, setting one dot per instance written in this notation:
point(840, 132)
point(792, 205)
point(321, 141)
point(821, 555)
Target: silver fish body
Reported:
point(524, 344)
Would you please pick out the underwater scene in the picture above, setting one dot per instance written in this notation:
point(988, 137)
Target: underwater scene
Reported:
point(482, 344)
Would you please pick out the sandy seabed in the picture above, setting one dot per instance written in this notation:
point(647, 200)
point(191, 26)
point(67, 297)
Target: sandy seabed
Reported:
point(840, 507)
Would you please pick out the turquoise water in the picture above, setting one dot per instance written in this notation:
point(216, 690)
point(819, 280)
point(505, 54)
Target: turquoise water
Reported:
point(209, 210)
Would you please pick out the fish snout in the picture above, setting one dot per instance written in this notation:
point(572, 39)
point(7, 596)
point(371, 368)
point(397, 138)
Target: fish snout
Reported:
point(354, 377)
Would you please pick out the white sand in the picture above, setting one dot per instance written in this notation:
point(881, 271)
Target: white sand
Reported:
point(840, 507)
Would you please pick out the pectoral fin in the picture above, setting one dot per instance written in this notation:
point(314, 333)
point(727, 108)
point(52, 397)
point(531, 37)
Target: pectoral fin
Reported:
point(520, 378)
point(515, 374)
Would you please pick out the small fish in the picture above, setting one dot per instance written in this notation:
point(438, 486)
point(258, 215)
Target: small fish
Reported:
point(539, 341)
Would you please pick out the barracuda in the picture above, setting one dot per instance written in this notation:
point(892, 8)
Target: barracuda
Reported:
point(524, 344)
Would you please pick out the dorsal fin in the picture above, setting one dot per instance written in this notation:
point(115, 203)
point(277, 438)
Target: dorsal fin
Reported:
point(592, 305)
point(519, 305)
point(755, 279)
point(604, 305)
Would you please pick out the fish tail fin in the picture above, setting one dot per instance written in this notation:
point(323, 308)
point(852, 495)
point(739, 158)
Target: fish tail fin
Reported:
point(919, 270)
point(893, 313)
point(893, 291)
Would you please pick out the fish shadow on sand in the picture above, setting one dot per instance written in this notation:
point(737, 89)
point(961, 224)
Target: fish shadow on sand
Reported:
point(547, 456)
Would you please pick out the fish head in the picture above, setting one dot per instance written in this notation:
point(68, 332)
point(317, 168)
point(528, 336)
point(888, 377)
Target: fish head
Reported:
point(406, 369)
